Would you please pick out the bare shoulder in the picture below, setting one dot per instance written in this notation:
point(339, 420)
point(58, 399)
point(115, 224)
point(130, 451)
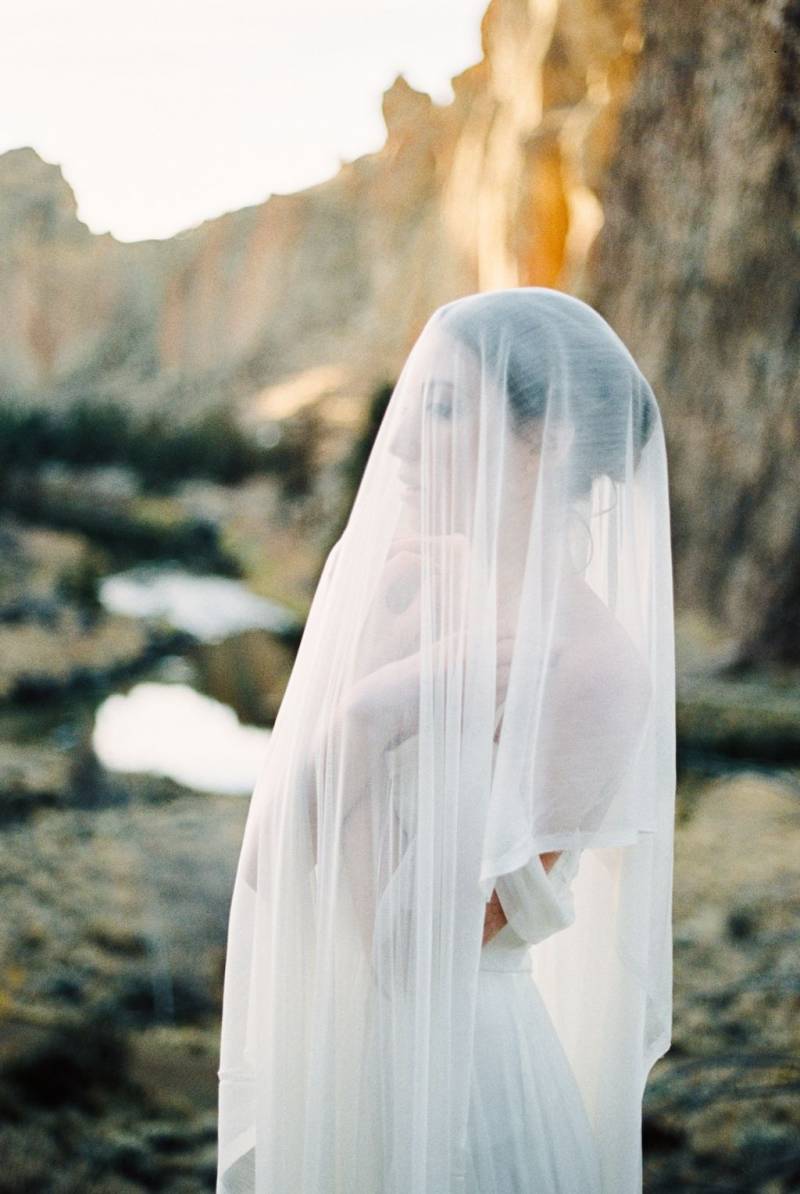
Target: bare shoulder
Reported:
point(600, 646)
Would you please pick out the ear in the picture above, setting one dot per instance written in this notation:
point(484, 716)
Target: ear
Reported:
point(558, 439)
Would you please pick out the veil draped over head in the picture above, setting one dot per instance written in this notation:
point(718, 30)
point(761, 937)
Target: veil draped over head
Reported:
point(486, 674)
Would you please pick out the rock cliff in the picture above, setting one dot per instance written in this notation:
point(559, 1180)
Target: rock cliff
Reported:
point(644, 159)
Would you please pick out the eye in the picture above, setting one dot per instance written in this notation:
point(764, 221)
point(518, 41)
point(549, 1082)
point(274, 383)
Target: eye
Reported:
point(440, 402)
point(443, 409)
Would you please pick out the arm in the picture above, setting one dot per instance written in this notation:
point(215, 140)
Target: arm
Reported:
point(381, 711)
point(387, 700)
point(495, 917)
point(517, 899)
point(591, 741)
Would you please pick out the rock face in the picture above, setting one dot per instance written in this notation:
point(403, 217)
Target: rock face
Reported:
point(331, 284)
point(645, 161)
point(697, 267)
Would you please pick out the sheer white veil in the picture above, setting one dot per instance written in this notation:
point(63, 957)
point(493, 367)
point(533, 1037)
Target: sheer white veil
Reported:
point(506, 563)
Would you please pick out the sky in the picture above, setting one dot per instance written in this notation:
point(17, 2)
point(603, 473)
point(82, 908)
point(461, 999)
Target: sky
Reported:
point(163, 113)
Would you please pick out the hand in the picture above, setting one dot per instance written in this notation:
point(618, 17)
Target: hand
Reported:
point(394, 624)
point(548, 859)
point(494, 918)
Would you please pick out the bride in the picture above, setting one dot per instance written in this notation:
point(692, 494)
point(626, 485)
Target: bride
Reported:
point(449, 957)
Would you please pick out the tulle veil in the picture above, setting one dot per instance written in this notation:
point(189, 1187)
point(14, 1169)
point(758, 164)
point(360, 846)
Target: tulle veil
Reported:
point(506, 562)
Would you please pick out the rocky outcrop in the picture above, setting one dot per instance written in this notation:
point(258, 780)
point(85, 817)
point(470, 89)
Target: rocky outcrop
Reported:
point(697, 267)
point(326, 289)
point(646, 161)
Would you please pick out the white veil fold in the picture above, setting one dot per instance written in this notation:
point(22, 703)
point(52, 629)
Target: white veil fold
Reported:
point(506, 561)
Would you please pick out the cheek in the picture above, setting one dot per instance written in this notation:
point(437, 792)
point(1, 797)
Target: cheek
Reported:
point(463, 452)
point(405, 438)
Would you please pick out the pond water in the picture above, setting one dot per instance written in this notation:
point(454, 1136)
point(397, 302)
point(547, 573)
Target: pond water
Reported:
point(209, 607)
point(170, 729)
point(164, 725)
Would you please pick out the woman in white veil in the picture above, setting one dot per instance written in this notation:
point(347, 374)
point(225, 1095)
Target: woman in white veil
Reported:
point(449, 949)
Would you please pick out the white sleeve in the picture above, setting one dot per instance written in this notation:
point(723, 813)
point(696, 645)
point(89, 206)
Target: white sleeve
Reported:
point(537, 902)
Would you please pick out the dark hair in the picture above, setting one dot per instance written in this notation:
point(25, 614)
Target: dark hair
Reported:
point(606, 387)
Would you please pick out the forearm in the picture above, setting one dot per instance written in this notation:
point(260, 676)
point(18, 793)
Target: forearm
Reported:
point(495, 918)
point(385, 704)
point(358, 870)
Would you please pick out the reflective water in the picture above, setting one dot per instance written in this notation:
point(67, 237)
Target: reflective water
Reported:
point(209, 607)
point(172, 730)
point(164, 725)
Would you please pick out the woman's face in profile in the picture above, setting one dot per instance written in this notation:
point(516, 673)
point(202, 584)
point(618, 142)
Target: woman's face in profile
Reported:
point(443, 421)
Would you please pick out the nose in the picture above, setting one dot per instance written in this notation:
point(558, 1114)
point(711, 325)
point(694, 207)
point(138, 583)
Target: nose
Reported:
point(405, 440)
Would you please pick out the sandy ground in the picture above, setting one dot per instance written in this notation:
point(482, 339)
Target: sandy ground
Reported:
point(115, 895)
point(113, 944)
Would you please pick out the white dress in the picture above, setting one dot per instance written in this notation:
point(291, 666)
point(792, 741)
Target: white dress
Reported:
point(528, 1132)
point(528, 1128)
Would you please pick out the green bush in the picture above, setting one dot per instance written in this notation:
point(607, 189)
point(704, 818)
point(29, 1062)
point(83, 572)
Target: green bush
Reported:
point(96, 432)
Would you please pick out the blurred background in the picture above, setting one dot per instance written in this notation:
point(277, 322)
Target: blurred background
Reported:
point(221, 234)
